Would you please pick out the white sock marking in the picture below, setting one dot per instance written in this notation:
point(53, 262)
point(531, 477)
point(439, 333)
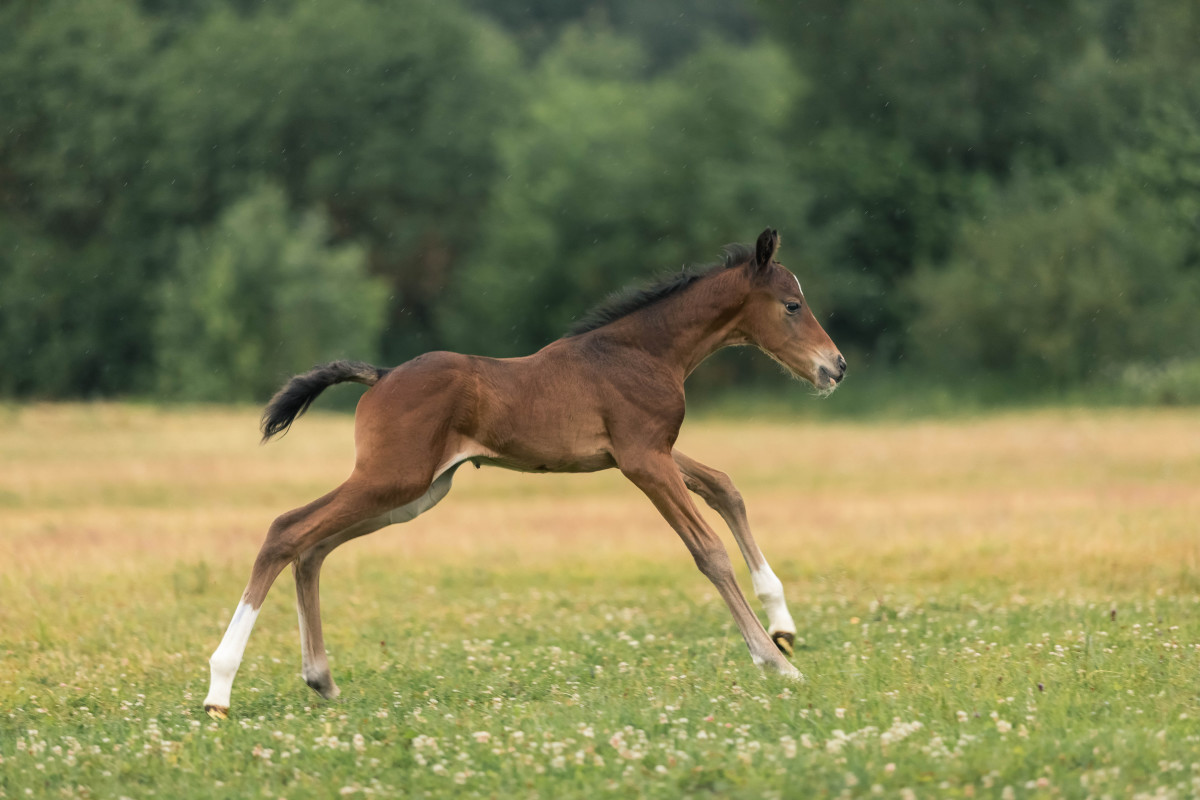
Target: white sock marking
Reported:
point(228, 656)
point(770, 592)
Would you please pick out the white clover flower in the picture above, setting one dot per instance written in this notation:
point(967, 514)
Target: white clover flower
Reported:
point(789, 746)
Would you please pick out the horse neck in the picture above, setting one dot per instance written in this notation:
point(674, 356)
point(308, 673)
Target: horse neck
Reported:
point(684, 329)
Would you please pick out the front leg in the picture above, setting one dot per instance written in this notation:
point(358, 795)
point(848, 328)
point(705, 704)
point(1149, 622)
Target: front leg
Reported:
point(719, 492)
point(657, 476)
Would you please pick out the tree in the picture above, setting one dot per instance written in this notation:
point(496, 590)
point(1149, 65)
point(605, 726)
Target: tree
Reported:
point(915, 110)
point(611, 179)
point(384, 118)
point(1059, 283)
point(74, 260)
point(260, 296)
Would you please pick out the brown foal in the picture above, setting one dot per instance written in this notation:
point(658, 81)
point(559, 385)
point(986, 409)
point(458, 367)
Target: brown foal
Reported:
point(609, 394)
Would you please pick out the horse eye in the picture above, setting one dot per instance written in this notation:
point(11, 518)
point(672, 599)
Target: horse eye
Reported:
point(792, 307)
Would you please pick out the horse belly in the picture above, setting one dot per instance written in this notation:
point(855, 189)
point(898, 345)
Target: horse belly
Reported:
point(549, 448)
point(593, 463)
point(544, 452)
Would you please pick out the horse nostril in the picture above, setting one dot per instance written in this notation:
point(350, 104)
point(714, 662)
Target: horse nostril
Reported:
point(841, 363)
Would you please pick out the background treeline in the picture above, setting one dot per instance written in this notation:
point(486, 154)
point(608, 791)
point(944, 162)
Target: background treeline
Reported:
point(199, 197)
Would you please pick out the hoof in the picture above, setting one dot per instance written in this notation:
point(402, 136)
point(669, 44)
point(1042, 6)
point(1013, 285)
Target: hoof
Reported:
point(324, 686)
point(217, 712)
point(785, 670)
point(784, 641)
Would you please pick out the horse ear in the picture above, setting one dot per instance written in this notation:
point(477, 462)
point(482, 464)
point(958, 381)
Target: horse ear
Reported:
point(767, 247)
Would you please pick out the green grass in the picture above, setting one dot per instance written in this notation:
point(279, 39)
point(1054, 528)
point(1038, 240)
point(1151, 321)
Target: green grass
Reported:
point(1015, 608)
point(582, 682)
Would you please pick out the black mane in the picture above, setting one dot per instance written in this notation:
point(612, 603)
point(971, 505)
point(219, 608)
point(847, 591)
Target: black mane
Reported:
point(625, 301)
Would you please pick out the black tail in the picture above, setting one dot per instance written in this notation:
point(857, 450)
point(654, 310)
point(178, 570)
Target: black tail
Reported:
point(298, 394)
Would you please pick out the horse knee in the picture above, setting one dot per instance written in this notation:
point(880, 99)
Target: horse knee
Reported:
point(725, 492)
point(717, 489)
point(712, 560)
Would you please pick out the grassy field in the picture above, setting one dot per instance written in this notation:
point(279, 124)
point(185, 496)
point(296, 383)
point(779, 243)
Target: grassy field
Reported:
point(992, 607)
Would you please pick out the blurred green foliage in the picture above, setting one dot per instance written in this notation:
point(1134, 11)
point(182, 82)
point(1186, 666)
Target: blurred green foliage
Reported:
point(259, 288)
point(1060, 287)
point(608, 179)
point(198, 197)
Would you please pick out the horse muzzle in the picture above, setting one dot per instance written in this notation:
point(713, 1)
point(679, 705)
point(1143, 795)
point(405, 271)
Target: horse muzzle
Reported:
point(829, 376)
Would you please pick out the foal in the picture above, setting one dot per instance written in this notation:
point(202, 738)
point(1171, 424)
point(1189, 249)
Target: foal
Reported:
point(609, 394)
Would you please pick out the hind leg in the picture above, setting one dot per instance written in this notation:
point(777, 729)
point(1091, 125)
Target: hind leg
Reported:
point(314, 664)
point(307, 572)
point(290, 535)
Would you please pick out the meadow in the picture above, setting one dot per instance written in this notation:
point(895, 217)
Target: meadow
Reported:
point(1004, 605)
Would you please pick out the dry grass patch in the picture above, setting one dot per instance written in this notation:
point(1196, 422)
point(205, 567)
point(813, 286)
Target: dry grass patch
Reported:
point(1062, 499)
